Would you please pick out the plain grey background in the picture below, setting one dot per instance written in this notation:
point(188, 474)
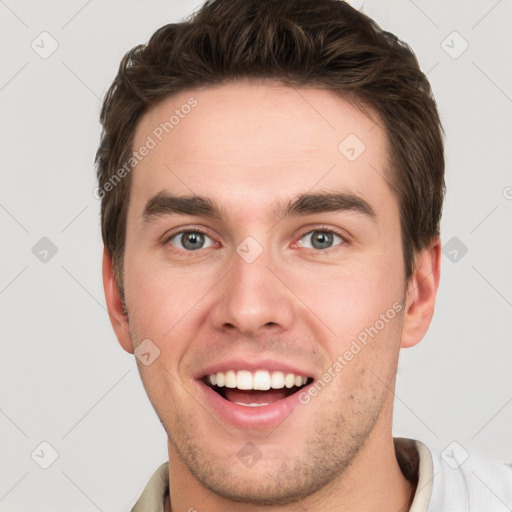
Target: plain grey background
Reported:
point(65, 381)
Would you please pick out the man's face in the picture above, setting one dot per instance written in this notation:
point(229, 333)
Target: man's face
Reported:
point(265, 290)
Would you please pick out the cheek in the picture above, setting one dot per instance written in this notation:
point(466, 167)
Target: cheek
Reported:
point(360, 304)
point(158, 296)
point(353, 295)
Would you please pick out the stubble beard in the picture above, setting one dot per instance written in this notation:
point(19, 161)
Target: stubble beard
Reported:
point(328, 452)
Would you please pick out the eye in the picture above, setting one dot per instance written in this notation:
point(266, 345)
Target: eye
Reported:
point(190, 240)
point(320, 239)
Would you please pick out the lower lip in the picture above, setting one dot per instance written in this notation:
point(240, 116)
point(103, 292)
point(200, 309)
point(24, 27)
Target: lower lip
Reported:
point(265, 416)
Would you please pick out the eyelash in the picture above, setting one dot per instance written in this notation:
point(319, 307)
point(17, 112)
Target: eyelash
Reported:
point(323, 229)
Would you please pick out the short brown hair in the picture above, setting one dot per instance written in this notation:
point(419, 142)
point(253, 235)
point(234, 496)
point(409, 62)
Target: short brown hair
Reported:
point(323, 44)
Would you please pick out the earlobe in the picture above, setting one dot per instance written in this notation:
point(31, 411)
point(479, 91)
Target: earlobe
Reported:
point(118, 318)
point(421, 294)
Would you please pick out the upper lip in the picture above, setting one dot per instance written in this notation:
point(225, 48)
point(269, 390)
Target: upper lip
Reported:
point(252, 366)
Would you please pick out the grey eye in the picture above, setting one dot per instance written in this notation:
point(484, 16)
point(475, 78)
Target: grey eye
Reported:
point(320, 240)
point(190, 240)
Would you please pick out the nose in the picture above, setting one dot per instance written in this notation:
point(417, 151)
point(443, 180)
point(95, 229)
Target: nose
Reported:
point(253, 297)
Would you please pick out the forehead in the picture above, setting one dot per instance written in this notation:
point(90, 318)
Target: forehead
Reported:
point(262, 141)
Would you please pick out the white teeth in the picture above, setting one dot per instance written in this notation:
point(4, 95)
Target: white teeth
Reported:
point(231, 379)
point(260, 380)
point(289, 380)
point(251, 405)
point(277, 380)
point(244, 380)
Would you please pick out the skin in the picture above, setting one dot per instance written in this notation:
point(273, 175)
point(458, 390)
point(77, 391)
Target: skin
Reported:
point(249, 146)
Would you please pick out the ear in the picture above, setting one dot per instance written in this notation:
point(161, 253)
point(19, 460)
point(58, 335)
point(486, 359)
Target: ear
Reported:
point(118, 318)
point(421, 294)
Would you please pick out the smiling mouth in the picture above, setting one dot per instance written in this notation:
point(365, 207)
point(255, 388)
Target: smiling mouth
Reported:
point(255, 389)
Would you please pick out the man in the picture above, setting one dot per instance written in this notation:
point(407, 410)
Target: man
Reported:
point(272, 179)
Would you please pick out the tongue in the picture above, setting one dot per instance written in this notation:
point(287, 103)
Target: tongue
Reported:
point(255, 397)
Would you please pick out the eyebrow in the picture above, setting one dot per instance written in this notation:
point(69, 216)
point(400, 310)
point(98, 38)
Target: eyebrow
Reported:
point(164, 204)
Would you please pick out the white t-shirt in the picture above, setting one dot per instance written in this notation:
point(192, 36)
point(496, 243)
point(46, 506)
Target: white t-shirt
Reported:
point(451, 482)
